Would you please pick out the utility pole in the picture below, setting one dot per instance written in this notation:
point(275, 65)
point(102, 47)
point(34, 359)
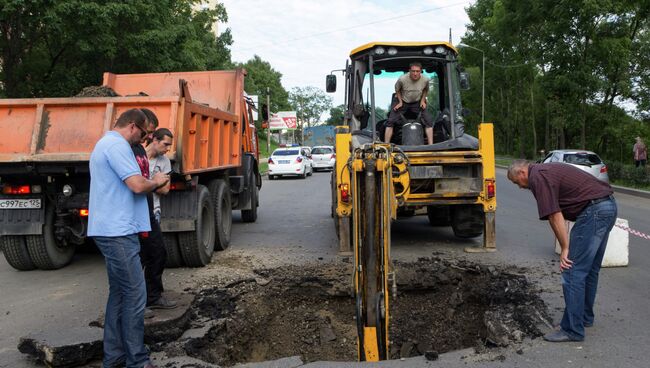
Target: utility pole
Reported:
point(268, 120)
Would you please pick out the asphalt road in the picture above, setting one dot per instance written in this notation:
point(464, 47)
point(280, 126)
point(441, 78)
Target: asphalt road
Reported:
point(294, 226)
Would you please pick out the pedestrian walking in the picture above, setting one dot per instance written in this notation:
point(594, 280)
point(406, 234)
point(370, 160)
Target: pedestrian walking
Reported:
point(640, 153)
point(117, 213)
point(564, 192)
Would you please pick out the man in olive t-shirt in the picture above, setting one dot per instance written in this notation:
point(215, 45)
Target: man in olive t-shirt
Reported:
point(411, 93)
point(564, 192)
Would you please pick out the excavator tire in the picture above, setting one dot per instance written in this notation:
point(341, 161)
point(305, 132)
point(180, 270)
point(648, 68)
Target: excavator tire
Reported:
point(467, 221)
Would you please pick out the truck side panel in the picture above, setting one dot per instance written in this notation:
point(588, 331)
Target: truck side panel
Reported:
point(66, 129)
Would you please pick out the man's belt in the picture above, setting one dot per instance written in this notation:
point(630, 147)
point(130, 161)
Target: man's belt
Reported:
point(595, 201)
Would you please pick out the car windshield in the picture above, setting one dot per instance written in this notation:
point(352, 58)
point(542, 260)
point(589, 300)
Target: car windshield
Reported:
point(321, 151)
point(285, 153)
point(582, 159)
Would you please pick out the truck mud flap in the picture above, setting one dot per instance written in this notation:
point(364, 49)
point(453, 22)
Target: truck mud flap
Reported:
point(178, 211)
point(22, 221)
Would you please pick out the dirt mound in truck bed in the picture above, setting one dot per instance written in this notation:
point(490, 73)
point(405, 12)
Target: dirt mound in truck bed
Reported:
point(97, 91)
point(309, 311)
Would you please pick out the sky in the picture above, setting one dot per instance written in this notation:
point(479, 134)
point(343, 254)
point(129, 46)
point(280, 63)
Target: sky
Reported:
point(306, 39)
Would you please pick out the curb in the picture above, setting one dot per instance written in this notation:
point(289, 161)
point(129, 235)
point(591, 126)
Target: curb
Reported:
point(616, 188)
point(631, 191)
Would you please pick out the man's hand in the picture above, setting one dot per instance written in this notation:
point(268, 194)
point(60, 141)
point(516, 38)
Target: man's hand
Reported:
point(423, 104)
point(160, 179)
point(398, 106)
point(565, 262)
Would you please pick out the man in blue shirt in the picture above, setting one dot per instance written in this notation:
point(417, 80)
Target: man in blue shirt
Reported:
point(117, 213)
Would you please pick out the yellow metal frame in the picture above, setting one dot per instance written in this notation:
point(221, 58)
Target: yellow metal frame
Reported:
point(372, 45)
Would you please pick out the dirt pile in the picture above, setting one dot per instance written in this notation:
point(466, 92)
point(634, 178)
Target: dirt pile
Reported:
point(309, 311)
point(97, 91)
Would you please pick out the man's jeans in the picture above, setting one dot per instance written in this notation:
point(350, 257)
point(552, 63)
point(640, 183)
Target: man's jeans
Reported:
point(587, 245)
point(124, 321)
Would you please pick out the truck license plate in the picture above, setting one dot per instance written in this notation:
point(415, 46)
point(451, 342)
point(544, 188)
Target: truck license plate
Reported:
point(19, 204)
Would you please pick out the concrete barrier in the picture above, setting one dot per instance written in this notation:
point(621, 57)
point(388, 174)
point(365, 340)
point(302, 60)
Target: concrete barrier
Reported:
point(617, 252)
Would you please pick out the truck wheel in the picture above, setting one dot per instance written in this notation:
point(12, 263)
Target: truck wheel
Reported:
point(16, 253)
point(174, 257)
point(467, 221)
point(251, 215)
point(438, 215)
point(220, 192)
point(197, 246)
point(45, 250)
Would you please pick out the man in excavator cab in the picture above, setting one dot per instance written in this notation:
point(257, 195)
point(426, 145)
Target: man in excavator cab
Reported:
point(410, 97)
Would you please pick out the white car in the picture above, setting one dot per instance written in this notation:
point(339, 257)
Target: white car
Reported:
point(584, 160)
point(289, 161)
point(306, 151)
point(323, 157)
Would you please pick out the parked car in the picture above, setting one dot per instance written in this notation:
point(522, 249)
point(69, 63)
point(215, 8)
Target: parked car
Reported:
point(306, 151)
point(289, 161)
point(584, 160)
point(323, 157)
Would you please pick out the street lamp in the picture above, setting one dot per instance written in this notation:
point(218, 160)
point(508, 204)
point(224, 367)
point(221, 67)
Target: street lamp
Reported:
point(482, 83)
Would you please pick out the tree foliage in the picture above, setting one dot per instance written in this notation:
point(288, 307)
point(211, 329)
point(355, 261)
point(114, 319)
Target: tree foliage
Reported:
point(309, 103)
point(261, 76)
point(55, 48)
point(337, 113)
point(560, 74)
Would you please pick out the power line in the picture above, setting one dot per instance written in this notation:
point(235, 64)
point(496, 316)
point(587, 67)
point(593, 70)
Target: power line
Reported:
point(354, 27)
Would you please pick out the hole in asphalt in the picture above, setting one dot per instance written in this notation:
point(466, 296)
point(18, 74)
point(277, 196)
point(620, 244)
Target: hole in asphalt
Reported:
point(308, 311)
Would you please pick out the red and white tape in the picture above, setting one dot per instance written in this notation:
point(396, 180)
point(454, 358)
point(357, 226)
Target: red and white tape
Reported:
point(634, 232)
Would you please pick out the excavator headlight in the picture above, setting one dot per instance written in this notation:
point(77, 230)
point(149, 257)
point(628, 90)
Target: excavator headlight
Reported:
point(392, 51)
point(441, 50)
point(380, 50)
point(427, 51)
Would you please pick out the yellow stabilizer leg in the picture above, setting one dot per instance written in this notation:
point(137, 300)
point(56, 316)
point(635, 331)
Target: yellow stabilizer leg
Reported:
point(370, 344)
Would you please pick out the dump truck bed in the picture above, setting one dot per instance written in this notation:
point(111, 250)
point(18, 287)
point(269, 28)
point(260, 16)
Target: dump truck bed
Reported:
point(204, 114)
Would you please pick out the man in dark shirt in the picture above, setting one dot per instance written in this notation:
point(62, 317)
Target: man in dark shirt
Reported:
point(152, 253)
point(564, 192)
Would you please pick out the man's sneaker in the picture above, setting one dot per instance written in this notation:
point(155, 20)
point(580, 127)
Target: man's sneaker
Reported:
point(162, 303)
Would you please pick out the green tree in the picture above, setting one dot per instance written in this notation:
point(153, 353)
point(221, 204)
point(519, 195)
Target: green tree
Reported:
point(309, 103)
point(557, 69)
point(55, 48)
point(337, 114)
point(261, 76)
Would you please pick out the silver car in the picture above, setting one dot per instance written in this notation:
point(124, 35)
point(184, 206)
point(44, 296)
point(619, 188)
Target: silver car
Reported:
point(584, 160)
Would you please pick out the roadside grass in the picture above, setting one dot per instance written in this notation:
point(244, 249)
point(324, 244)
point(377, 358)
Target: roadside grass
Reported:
point(264, 154)
point(503, 160)
point(629, 184)
point(264, 167)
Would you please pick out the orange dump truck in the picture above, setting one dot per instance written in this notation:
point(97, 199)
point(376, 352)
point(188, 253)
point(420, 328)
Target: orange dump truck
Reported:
point(45, 146)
